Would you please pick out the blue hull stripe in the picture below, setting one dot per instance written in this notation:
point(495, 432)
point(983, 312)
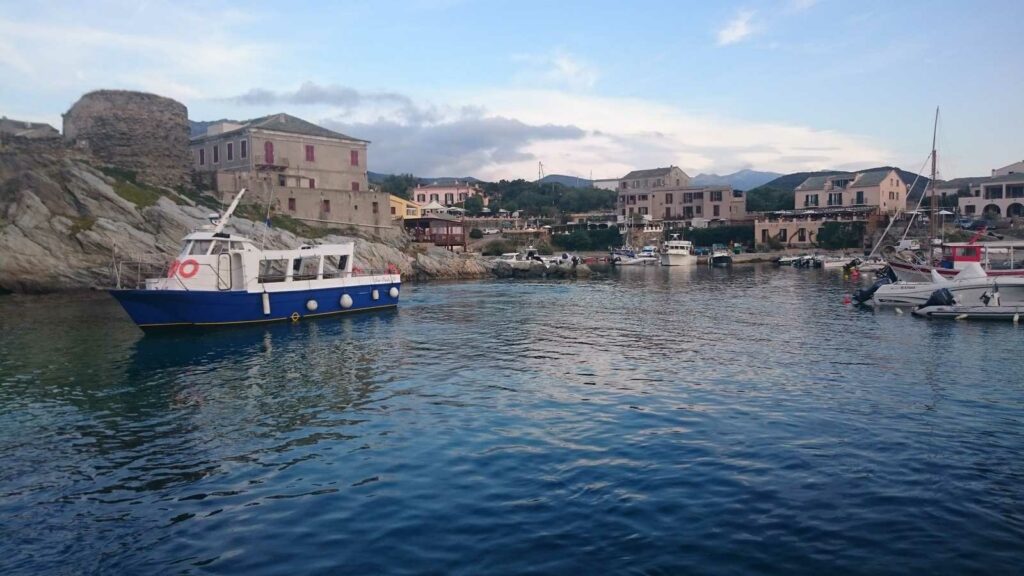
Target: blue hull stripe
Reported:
point(152, 308)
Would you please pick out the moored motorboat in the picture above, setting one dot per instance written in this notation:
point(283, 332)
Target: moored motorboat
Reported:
point(968, 286)
point(1001, 258)
point(221, 278)
point(677, 252)
point(720, 256)
point(942, 304)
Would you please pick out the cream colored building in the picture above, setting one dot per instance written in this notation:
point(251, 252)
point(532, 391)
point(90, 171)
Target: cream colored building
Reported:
point(665, 194)
point(1015, 168)
point(302, 170)
point(1001, 196)
point(446, 194)
point(847, 197)
point(882, 189)
point(290, 151)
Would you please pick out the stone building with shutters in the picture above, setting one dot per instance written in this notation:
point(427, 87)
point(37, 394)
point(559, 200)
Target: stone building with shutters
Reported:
point(666, 195)
point(303, 170)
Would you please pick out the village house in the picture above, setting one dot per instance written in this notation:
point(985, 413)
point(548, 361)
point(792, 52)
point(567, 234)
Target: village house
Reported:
point(998, 196)
point(1015, 168)
point(665, 195)
point(305, 171)
point(446, 194)
point(402, 208)
point(845, 197)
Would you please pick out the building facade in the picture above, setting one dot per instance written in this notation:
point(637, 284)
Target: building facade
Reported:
point(881, 189)
point(446, 194)
point(1015, 168)
point(290, 151)
point(665, 194)
point(402, 208)
point(998, 196)
point(302, 170)
point(866, 197)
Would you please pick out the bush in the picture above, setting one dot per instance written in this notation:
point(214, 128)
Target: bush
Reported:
point(476, 233)
point(721, 235)
point(837, 235)
point(497, 248)
point(544, 249)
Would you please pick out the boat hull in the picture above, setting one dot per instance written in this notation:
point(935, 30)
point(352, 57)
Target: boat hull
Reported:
point(1012, 313)
point(678, 259)
point(162, 308)
point(913, 294)
point(721, 261)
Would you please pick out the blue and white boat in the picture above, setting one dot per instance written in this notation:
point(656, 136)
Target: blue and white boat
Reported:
point(221, 278)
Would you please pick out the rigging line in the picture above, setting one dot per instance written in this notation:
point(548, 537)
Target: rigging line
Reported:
point(893, 220)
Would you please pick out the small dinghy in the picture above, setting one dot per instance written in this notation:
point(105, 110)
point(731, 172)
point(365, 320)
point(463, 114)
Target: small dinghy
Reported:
point(943, 304)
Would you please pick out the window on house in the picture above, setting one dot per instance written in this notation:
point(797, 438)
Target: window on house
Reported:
point(281, 180)
point(835, 199)
point(433, 197)
point(668, 198)
point(969, 209)
point(782, 234)
point(243, 148)
point(231, 151)
point(393, 212)
point(202, 157)
point(643, 197)
point(642, 210)
point(860, 196)
point(354, 157)
point(687, 197)
point(327, 205)
point(716, 195)
point(625, 185)
point(449, 198)
point(764, 236)
point(677, 181)
point(716, 209)
point(376, 209)
point(421, 198)
point(216, 153)
point(355, 186)
point(801, 235)
point(312, 182)
point(698, 210)
point(310, 154)
point(291, 204)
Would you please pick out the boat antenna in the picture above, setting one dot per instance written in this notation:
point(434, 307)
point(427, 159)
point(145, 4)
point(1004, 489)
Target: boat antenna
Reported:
point(219, 226)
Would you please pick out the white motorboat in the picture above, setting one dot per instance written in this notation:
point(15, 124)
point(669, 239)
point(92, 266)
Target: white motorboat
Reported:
point(942, 304)
point(521, 260)
point(968, 287)
point(627, 257)
point(677, 252)
point(720, 256)
point(832, 262)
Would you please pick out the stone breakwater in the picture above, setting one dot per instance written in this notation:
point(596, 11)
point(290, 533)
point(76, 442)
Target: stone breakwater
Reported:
point(63, 225)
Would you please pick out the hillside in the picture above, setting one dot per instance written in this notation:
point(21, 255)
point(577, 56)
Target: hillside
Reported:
point(778, 194)
point(567, 181)
point(742, 180)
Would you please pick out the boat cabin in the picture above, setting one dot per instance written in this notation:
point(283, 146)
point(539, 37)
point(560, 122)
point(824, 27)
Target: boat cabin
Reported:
point(225, 262)
point(1000, 255)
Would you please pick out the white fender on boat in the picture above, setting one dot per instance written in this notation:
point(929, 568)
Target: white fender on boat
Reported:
point(311, 305)
point(346, 301)
point(393, 292)
point(1016, 318)
point(899, 310)
point(962, 317)
point(375, 294)
point(266, 304)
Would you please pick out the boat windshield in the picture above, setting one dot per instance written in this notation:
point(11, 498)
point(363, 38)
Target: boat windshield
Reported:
point(199, 248)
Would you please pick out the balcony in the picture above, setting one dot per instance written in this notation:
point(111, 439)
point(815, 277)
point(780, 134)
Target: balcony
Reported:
point(274, 163)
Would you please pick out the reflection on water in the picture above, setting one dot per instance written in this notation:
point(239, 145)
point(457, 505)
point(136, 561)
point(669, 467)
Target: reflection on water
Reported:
point(660, 421)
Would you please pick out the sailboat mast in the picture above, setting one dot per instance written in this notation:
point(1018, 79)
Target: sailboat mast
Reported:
point(935, 199)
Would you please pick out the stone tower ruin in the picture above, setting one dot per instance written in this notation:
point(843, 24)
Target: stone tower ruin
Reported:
point(144, 133)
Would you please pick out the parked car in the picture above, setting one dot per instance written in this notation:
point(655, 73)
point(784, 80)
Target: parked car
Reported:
point(491, 231)
point(963, 222)
point(978, 224)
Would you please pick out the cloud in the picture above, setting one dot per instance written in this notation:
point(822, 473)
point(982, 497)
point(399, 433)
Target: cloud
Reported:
point(800, 5)
point(737, 29)
point(346, 99)
point(465, 146)
point(557, 68)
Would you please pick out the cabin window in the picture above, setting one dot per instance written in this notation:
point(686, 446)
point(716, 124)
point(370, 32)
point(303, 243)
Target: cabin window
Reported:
point(200, 248)
point(334, 266)
point(237, 246)
point(273, 271)
point(219, 247)
point(306, 268)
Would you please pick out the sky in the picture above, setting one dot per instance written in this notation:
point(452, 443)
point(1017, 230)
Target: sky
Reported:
point(591, 89)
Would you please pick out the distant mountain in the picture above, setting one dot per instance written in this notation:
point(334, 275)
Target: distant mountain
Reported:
point(198, 127)
point(742, 180)
point(778, 194)
point(568, 181)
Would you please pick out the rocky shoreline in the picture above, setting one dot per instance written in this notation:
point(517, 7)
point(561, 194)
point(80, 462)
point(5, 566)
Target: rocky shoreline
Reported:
point(64, 225)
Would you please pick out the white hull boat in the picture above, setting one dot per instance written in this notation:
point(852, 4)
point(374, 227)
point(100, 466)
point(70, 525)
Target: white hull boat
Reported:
point(678, 252)
point(942, 304)
point(968, 287)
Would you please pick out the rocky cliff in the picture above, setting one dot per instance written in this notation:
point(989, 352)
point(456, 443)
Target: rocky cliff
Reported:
point(63, 223)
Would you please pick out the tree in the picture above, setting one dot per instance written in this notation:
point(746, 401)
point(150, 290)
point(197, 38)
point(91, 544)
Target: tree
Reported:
point(473, 205)
point(399, 185)
point(476, 233)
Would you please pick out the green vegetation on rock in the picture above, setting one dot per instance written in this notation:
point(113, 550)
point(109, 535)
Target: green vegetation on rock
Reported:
point(81, 224)
point(497, 248)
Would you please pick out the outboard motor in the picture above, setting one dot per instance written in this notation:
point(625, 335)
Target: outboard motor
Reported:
point(862, 295)
point(941, 297)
